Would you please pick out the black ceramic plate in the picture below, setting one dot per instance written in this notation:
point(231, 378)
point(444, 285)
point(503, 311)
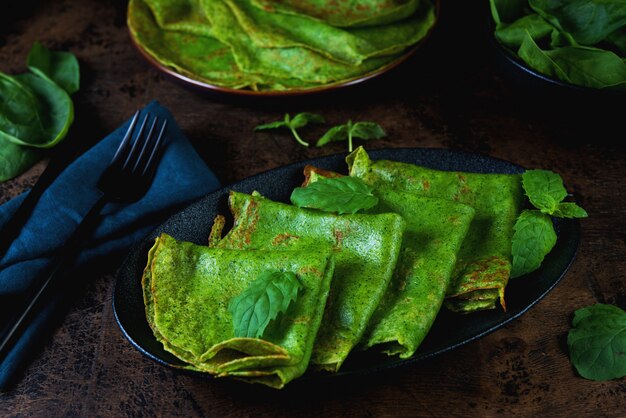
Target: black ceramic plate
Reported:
point(449, 331)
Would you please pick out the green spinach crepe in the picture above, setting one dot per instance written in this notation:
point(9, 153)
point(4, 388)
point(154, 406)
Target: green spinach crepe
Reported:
point(187, 289)
point(366, 249)
point(435, 230)
point(484, 262)
point(244, 44)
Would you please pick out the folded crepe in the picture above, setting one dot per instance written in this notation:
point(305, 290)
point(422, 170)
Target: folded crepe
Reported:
point(247, 44)
point(187, 289)
point(366, 249)
point(484, 261)
point(435, 230)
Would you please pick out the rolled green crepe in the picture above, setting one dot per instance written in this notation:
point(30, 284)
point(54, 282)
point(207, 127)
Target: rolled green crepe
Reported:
point(484, 262)
point(187, 289)
point(243, 44)
point(366, 249)
point(435, 230)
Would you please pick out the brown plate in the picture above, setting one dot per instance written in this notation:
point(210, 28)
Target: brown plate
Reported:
point(212, 88)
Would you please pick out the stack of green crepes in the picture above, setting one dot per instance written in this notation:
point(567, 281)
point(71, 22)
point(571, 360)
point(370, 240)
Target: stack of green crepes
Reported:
point(373, 279)
point(277, 45)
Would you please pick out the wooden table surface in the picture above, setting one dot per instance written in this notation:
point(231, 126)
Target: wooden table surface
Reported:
point(451, 95)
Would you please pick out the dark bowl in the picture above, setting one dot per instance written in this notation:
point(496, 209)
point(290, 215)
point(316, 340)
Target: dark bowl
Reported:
point(552, 92)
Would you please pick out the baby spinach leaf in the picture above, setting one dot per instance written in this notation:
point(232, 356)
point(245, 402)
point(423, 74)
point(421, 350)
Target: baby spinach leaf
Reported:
point(59, 67)
point(533, 239)
point(587, 21)
point(360, 130)
point(35, 111)
point(507, 11)
point(512, 35)
point(15, 159)
point(544, 189)
point(618, 39)
point(266, 297)
point(56, 111)
point(597, 342)
point(341, 195)
point(299, 121)
point(584, 66)
point(19, 111)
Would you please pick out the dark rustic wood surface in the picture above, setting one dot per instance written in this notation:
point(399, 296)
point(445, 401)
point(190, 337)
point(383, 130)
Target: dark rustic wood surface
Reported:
point(450, 95)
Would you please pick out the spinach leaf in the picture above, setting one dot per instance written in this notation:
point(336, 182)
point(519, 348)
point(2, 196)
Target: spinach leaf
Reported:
point(597, 342)
point(15, 159)
point(60, 67)
point(19, 111)
point(270, 294)
point(587, 21)
point(584, 66)
point(618, 40)
point(56, 111)
point(35, 111)
point(341, 195)
point(506, 11)
point(512, 35)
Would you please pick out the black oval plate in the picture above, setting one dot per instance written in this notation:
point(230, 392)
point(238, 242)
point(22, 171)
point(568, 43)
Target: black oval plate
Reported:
point(449, 330)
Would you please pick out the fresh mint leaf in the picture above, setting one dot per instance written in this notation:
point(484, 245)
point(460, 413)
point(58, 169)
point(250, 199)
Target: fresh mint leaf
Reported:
point(341, 195)
point(303, 119)
point(266, 297)
point(336, 133)
point(533, 238)
point(298, 121)
point(544, 189)
point(570, 210)
point(368, 130)
point(271, 125)
point(597, 342)
point(360, 130)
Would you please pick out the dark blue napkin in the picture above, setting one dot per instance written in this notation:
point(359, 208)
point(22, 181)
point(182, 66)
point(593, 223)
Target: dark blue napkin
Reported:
point(181, 177)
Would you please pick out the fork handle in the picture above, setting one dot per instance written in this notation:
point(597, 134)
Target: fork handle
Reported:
point(49, 280)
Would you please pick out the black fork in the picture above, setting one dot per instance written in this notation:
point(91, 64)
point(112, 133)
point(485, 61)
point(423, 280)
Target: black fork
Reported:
point(126, 179)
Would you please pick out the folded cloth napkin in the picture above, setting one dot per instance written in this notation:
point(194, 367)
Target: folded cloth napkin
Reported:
point(181, 177)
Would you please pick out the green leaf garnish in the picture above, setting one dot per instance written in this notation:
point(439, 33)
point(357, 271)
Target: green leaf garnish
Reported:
point(533, 238)
point(534, 235)
point(298, 121)
point(341, 195)
point(597, 342)
point(360, 130)
point(544, 189)
point(270, 294)
point(569, 210)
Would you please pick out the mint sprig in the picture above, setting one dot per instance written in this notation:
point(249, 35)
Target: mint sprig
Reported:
point(298, 121)
point(266, 297)
point(341, 195)
point(360, 130)
point(533, 239)
point(597, 342)
point(534, 235)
